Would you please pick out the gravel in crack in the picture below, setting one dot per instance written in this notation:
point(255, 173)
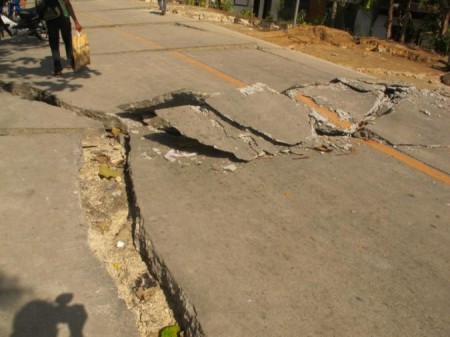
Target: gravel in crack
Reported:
point(110, 237)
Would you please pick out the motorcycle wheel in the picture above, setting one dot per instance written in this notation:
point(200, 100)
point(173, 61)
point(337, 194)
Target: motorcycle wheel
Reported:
point(41, 31)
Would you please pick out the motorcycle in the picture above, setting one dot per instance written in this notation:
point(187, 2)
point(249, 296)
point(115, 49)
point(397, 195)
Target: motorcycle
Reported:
point(28, 24)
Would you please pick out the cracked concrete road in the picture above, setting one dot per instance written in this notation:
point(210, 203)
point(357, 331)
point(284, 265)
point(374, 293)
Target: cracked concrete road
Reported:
point(339, 229)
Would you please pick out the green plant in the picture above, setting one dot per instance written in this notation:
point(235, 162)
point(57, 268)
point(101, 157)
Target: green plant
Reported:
point(227, 5)
point(301, 17)
point(268, 18)
point(170, 331)
point(246, 13)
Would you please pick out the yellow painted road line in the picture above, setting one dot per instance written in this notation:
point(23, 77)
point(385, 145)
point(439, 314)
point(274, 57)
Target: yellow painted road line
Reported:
point(380, 147)
point(332, 117)
point(335, 119)
point(410, 161)
point(213, 71)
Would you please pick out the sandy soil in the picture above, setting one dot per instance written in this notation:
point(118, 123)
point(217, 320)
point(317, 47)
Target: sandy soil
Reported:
point(110, 234)
point(379, 58)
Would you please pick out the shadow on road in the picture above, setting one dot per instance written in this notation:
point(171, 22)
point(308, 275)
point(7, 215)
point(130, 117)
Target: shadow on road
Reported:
point(37, 70)
point(10, 291)
point(41, 318)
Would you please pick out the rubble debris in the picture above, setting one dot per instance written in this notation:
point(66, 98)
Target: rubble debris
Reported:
point(208, 129)
point(120, 244)
point(230, 168)
point(172, 155)
point(344, 100)
point(115, 132)
point(256, 88)
point(323, 148)
point(446, 79)
point(103, 226)
point(101, 158)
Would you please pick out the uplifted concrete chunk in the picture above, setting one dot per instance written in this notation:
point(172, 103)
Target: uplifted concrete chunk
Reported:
point(346, 100)
point(208, 129)
point(265, 112)
point(420, 119)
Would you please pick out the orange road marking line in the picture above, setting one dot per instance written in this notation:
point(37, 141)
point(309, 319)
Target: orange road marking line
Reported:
point(217, 73)
point(380, 147)
point(213, 71)
point(323, 111)
point(410, 161)
point(335, 119)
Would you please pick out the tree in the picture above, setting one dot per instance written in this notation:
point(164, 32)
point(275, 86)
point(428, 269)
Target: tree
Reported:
point(390, 20)
point(334, 9)
point(445, 16)
point(297, 5)
point(405, 20)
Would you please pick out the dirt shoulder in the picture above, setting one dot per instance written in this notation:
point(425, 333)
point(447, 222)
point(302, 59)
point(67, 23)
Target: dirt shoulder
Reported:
point(379, 58)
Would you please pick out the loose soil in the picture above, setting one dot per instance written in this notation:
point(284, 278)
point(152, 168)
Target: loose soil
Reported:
point(110, 233)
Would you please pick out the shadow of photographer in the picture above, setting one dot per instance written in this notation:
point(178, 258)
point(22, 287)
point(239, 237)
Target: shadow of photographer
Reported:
point(41, 318)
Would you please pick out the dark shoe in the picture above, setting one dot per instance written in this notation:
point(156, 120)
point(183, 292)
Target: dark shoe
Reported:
point(57, 73)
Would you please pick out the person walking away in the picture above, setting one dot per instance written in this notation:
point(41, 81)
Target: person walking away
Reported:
point(162, 6)
point(61, 24)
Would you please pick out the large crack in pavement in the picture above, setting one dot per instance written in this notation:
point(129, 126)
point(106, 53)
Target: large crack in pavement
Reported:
point(29, 92)
point(253, 123)
point(108, 204)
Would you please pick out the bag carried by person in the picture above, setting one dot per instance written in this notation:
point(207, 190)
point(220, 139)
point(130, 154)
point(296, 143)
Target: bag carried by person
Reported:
point(50, 10)
point(81, 50)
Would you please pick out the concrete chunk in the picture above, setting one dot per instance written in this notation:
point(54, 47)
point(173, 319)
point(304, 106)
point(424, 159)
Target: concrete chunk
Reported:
point(341, 98)
point(202, 125)
point(417, 120)
point(265, 112)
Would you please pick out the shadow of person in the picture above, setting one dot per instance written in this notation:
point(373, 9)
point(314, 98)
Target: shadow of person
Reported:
point(41, 318)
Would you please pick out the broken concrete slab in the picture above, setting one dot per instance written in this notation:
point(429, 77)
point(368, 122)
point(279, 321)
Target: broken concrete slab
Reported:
point(349, 103)
point(438, 157)
point(259, 253)
point(171, 99)
point(202, 125)
point(420, 118)
point(18, 115)
point(265, 112)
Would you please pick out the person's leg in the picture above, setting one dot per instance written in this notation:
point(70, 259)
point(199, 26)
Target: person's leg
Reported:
point(53, 40)
point(66, 33)
point(162, 6)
